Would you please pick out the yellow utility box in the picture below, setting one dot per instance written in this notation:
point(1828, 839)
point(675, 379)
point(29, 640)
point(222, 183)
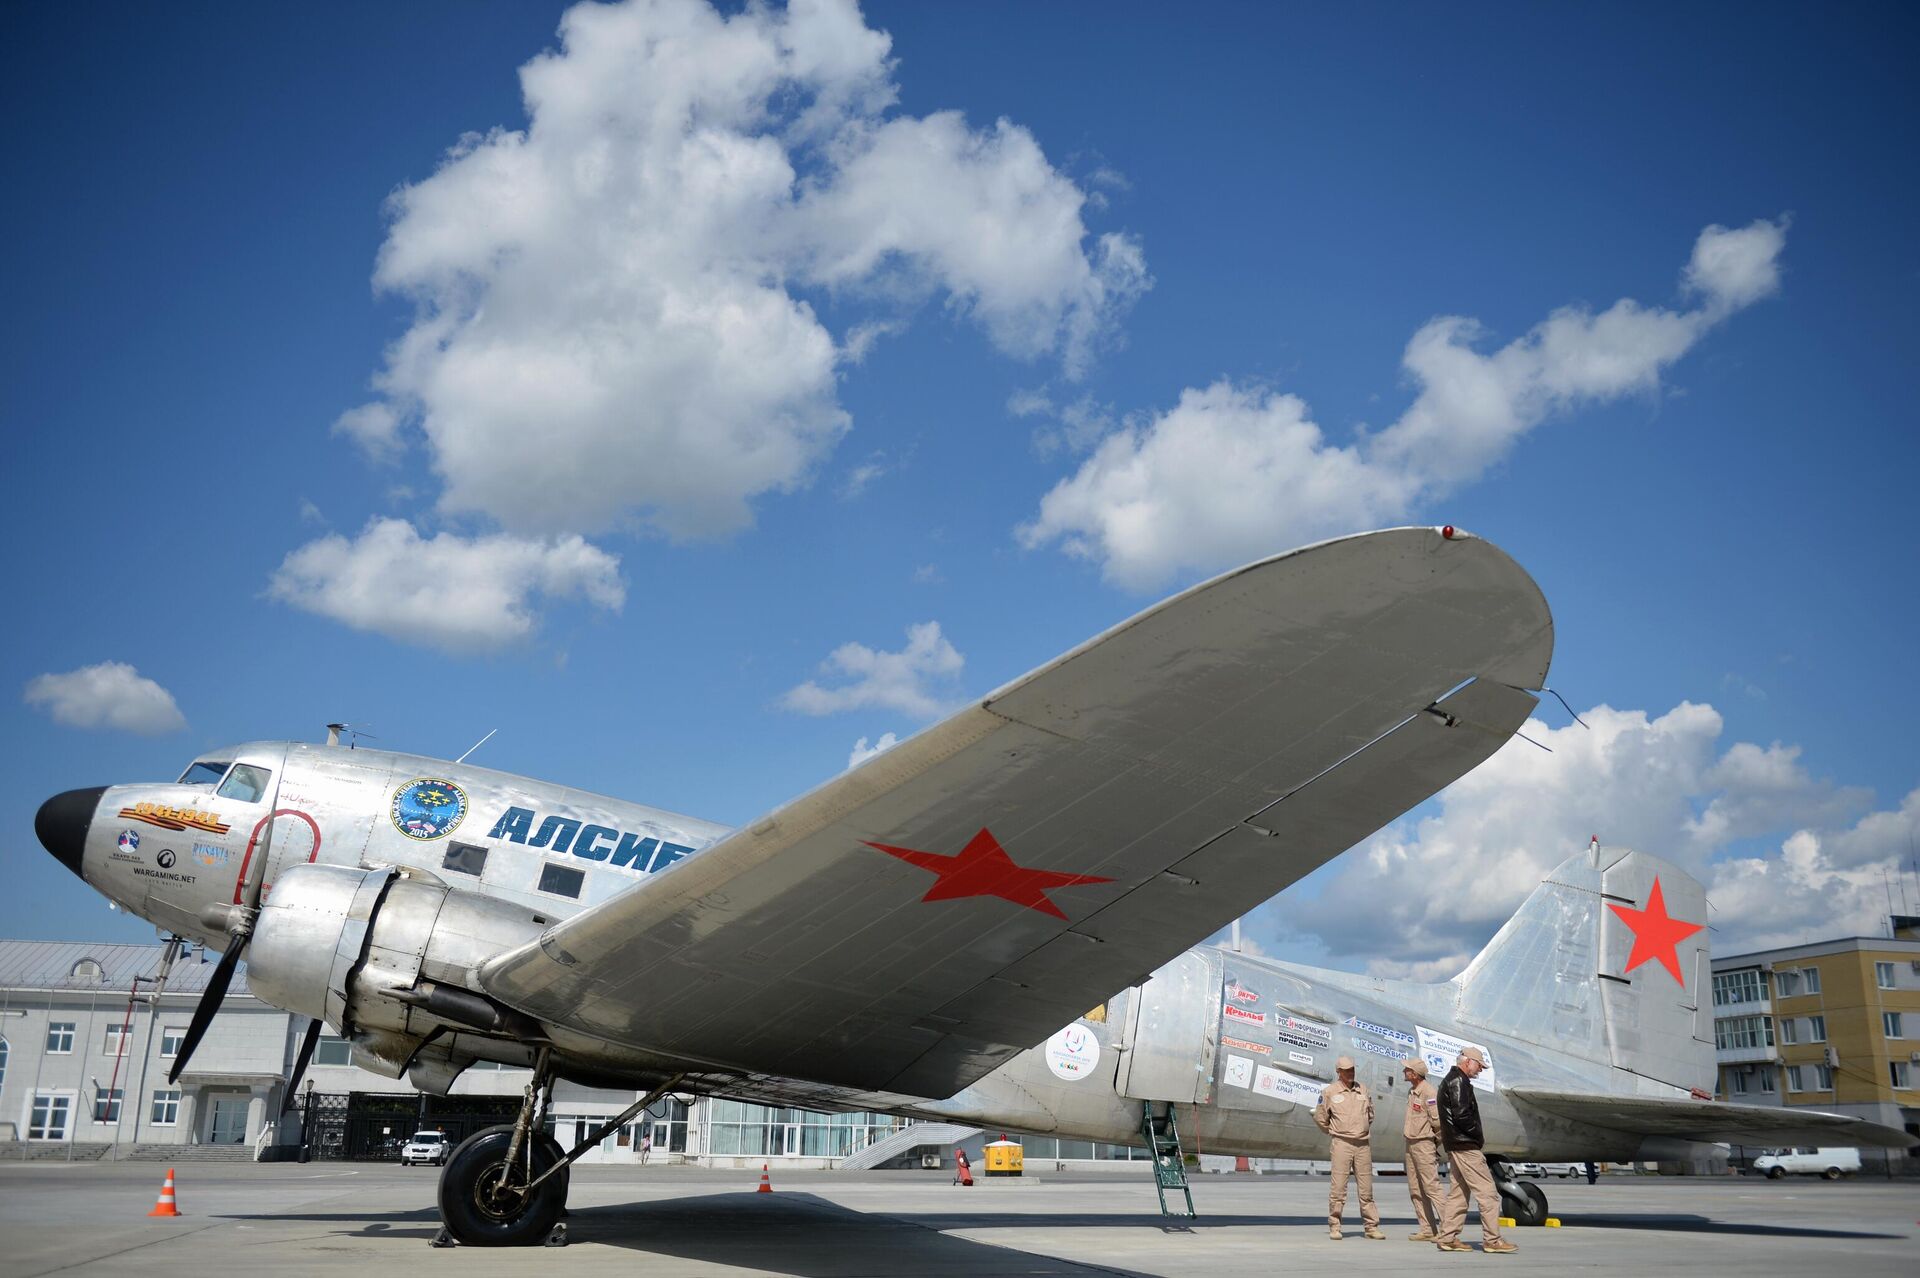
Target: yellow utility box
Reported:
point(1005, 1158)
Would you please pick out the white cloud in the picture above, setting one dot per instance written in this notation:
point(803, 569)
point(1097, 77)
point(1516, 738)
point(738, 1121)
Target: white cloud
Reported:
point(1234, 472)
point(109, 695)
point(1422, 896)
point(905, 681)
point(457, 593)
point(608, 327)
point(862, 751)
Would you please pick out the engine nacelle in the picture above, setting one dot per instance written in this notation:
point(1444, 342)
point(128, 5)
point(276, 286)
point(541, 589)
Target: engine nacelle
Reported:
point(385, 955)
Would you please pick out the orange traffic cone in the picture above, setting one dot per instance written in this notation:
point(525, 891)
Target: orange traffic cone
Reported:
point(166, 1207)
point(766, 1186)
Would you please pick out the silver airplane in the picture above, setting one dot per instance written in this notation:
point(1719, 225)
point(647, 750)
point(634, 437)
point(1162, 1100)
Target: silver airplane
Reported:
point(923, 934)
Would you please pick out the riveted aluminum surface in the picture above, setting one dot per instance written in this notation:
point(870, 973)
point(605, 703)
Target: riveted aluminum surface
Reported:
point(292, 960)
point(470, 929)
point(1172, 1026)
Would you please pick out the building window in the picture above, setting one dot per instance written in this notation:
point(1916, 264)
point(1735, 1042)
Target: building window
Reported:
point(1891, 1025)
point(1816, 1029)
point(561, 880)
point(59, 1038)
point(1900, 1075)
point(1789, 1030)
point(333, 1050)
point(1738, 1079)
point(171, 1037)
point(89, 972)
point(1795, 1079)
point(166, 1107)
point(1812, 975)
point(3, 1062)
point(118, 1038)
point(1743, 1031)
point(1824, 1073)
point(1766, 1079)
point(1787, 983)
point(1745, 986)
point(106, 1104)
point(48, 1120)
point(465, 858)
point(737, 1127)
point(1883, 975)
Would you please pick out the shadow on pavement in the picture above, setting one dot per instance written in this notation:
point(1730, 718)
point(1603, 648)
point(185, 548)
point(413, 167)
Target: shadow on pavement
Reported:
point(1707, 1225)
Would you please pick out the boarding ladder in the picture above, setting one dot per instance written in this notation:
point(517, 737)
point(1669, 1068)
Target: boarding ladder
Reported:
point(1169, 1163)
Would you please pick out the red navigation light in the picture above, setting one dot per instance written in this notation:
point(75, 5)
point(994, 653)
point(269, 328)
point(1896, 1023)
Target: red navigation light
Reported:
point(1447, 532)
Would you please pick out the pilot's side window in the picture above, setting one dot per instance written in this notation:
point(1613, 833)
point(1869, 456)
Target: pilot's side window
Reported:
point(246, 783)
point(203, 772)
point(560, 880)
point(465, 858)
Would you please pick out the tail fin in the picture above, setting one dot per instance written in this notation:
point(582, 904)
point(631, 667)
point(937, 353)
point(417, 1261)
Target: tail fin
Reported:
point(1608, 960)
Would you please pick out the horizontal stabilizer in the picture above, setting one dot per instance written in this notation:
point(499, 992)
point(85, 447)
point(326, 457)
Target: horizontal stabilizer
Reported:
point(1712, 1121)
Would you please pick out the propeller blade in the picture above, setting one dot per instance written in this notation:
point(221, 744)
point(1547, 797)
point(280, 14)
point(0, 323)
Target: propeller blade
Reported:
point(307, 1045)
point(203, 1011)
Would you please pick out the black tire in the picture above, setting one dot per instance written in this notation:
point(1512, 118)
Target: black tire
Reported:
point(1775, 1173)
point(1831, 1173)
point(478, 1219)
point(1528, 1203)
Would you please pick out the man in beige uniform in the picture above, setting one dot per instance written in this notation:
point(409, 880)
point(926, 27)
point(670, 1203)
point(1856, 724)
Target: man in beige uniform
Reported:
point(1422, 1130)
point(1345, 1113)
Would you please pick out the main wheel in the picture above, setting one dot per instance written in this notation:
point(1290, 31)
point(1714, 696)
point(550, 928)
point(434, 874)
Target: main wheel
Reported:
point(1528, 1202)
point(485, 1203)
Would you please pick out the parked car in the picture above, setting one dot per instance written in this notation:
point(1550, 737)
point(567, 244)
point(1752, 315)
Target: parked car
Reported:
point(1527, 1171)
point(1565, 1171)
point(1832, 1163)
point(425, 1149)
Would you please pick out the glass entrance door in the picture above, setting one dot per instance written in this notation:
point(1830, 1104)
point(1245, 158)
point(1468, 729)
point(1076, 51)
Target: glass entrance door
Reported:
point(229, 1121)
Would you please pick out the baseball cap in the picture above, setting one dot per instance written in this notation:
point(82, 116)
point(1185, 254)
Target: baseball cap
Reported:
point(1345, 1062)
point(1415, 1064)
point(1473, 1054)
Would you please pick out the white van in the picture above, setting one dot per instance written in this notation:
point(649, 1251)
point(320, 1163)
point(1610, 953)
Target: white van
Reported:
point(1831, 1163)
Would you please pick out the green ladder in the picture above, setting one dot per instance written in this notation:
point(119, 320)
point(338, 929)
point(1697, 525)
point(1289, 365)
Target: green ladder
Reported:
point(1169, 1163)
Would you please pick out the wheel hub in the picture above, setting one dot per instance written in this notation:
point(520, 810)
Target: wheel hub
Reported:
point(497, 1195)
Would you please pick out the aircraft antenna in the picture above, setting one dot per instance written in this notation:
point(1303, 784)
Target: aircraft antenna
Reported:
point(1569, 709)
point(1236, 936)
point(354, 733)
point(476, 745)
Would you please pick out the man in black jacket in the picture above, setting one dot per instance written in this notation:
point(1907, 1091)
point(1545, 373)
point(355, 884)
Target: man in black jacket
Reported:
point(1460, 1133)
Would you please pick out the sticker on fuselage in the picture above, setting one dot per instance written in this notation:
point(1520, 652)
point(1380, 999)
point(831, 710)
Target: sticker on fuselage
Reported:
point(1073, 1052)
point(428, 808)
point(1239, 1072)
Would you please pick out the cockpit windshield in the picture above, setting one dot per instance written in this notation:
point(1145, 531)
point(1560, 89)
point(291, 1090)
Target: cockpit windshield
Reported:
point(203, 772)
point(246, 783)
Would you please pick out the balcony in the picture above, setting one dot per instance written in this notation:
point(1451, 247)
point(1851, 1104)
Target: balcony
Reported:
point(1747, 1055)
point(1752, 1007)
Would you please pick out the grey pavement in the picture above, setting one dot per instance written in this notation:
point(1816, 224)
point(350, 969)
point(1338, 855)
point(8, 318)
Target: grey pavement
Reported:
point(377, 1219)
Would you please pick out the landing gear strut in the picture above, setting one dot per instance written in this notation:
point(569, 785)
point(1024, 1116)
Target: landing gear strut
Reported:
point(507, 1186)
point(1525, 1201)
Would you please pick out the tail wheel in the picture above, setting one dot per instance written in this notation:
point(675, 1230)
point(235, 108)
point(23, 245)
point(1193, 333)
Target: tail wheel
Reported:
point(486, 1203)
point(1528, 1203)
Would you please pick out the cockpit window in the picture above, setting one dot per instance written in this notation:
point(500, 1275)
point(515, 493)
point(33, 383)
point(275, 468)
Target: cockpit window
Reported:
point(246, 783)
point(203, 773)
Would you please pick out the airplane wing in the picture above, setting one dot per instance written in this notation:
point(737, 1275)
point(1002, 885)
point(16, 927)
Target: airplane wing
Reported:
point(918, 920)
point(1712, 1121)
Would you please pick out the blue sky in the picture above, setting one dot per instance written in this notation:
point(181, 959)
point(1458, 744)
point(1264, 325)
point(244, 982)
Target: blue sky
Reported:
point(804, 336)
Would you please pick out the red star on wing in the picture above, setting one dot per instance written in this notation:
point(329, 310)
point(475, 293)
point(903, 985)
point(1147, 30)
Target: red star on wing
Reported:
point(983, 868)
point(1656, 934)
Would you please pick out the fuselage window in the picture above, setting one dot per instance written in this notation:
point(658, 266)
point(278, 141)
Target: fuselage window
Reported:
point(246, 783)
point(560, 880)
point(465, 858)
point(203, 773)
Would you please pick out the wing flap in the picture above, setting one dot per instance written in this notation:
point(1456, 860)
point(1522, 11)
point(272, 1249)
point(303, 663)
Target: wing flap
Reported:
point(1180, 769)
point(1716, 1122)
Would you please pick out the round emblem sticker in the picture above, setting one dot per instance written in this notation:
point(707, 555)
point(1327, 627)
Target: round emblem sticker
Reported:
point(428, 808)
point(1073, 1052)
point(129, 840)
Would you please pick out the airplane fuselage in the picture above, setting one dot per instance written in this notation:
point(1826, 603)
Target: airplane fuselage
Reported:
point(1238, 1045)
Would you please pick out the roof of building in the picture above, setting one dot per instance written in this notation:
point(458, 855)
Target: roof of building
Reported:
point(55, 965)
point(1817, 949)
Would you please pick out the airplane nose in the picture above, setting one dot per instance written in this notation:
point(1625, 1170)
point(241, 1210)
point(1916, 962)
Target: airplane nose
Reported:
point(63, 821)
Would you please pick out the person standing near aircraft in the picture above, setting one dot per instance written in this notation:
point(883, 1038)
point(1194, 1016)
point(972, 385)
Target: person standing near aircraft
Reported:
point(1422, 1130)
point(1345, 1113)
point(1461, 1133)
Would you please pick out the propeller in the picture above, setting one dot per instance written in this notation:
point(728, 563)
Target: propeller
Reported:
point(239, 931)
point(307, 1045)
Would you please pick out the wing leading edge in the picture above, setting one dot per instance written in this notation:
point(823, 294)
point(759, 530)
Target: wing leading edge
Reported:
point(1150, 786)
point(1716, 1122)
